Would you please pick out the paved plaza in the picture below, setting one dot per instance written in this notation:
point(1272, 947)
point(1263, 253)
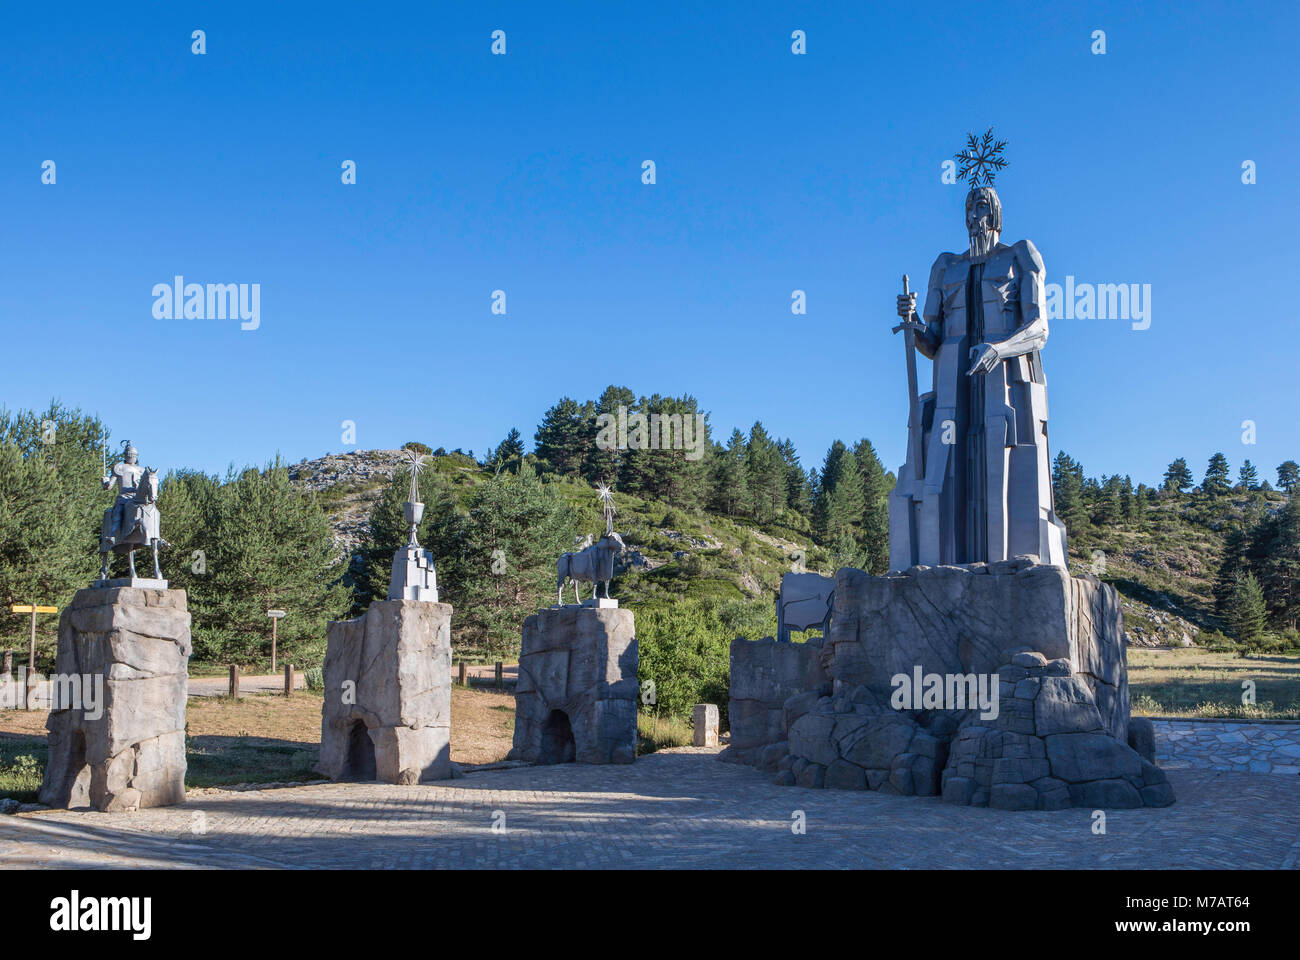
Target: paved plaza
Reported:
point(677, 808)
point(1228, 745)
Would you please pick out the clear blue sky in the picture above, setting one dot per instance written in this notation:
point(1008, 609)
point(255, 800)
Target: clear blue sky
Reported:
point(522, 172)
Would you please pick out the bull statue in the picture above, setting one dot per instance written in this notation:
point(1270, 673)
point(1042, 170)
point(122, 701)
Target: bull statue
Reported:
point(806, 600)
point(590, 565)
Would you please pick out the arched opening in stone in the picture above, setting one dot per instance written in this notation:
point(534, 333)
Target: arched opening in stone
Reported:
point(360, 763)
point(557, 739)
point(79, 792)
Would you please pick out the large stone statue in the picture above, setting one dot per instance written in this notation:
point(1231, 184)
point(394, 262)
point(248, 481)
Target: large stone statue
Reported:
point(976, 485)
point(132, 521)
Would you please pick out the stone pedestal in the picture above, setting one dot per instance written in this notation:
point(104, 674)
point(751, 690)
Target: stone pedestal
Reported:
point(387, 709)
point(1046, 648)
point(764, 675)
point(577, 692)
point(117, 723)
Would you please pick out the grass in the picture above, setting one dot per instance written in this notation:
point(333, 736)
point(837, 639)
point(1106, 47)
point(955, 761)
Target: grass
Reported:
point(655, 733)
point(22, 760)
point(1193, 682)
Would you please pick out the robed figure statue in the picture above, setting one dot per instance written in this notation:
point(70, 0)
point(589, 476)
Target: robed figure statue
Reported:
point(982, 489)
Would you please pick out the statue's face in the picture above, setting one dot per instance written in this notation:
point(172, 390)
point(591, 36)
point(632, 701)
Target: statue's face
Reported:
point(980, 218)
point(131, 456)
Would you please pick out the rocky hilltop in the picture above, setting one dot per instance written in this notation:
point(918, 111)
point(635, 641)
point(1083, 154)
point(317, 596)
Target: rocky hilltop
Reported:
point(349, 483)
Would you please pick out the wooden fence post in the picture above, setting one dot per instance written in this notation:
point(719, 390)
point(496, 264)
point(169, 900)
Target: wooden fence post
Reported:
point(234, 681)
point(462, 673)
point(288, 679)
point(500, 674)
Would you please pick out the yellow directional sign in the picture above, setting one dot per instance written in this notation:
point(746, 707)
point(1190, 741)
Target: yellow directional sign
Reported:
point(28, 608)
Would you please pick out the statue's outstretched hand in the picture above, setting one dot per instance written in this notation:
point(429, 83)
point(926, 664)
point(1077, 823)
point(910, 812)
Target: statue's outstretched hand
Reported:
point(984, 357)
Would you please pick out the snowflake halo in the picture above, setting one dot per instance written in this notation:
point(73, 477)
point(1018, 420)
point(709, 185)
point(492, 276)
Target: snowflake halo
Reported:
point(980, 162)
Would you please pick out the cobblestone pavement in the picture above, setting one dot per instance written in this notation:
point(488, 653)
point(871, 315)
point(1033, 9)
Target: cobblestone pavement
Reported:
point(676, 808)
point(1216, 745)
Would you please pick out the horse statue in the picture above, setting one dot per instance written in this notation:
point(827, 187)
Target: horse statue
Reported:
point(133, 520)
point(590, 565)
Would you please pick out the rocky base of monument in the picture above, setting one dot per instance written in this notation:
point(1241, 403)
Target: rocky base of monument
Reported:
point(117, 728)
point(577, 694)
point(387, 709)
point(764, 675)
point(1052, 728)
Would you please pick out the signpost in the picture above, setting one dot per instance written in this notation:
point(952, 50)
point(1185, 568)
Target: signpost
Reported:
point(30, 684)
point(275, 616)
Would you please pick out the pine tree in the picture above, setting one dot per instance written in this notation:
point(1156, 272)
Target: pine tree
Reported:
point(797, 494)
point(1248, 477)
point(1178, 478)
point(668, 468)
point(602, 466)
point(1216, 476)
point(1245, 610)
point(1288, 476)
point(765, 473)
point(730, 481)
point(51, 504)
point(562, 438)
point(269, 546)
point(509, 454)
point(839, 506)
point(874, 523)
point(515, 529)
point(1281, 566)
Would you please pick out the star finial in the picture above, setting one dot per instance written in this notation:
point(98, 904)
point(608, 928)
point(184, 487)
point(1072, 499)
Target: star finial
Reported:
point(606, 497)
point(982, 159)
point(416, 463)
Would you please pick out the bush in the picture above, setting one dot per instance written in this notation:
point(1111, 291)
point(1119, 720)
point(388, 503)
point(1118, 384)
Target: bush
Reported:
point(315, 679)
point(685, 649)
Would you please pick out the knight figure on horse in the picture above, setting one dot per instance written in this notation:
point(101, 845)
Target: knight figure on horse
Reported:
point(132, 521)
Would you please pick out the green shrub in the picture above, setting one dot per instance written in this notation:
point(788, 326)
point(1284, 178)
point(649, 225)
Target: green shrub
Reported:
point(315, 679)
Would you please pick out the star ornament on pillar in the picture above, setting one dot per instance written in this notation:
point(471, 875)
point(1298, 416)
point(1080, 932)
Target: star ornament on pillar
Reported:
point(415, 461)
point(606, 498)
point(981, 160)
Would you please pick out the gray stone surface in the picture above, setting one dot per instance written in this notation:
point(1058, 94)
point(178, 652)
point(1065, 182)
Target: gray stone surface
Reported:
point(974, 619)
point(1051, 644)
point(705, 725)
point(137, 643)
point(765, 674)
point(386, 714)
point(576, 699)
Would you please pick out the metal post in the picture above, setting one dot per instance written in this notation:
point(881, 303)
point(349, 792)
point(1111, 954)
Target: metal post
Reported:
point(31, 666)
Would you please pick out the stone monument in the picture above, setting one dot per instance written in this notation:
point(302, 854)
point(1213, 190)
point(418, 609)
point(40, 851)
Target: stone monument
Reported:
point(414, 576)
point(979, 669)
point(387, 709)
point(576, 699)
point(120, 682)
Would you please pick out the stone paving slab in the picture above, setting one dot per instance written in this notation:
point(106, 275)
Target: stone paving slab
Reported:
point(1240, 747)
point(677, 808)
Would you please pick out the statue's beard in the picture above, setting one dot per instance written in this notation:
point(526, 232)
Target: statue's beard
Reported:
point(982, 241)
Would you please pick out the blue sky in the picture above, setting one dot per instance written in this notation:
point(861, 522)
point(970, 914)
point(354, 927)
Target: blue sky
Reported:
point(522, 172)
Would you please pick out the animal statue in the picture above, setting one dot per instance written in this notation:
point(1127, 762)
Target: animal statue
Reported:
point(132, 522)
point(806, 600)
point(590, 565)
